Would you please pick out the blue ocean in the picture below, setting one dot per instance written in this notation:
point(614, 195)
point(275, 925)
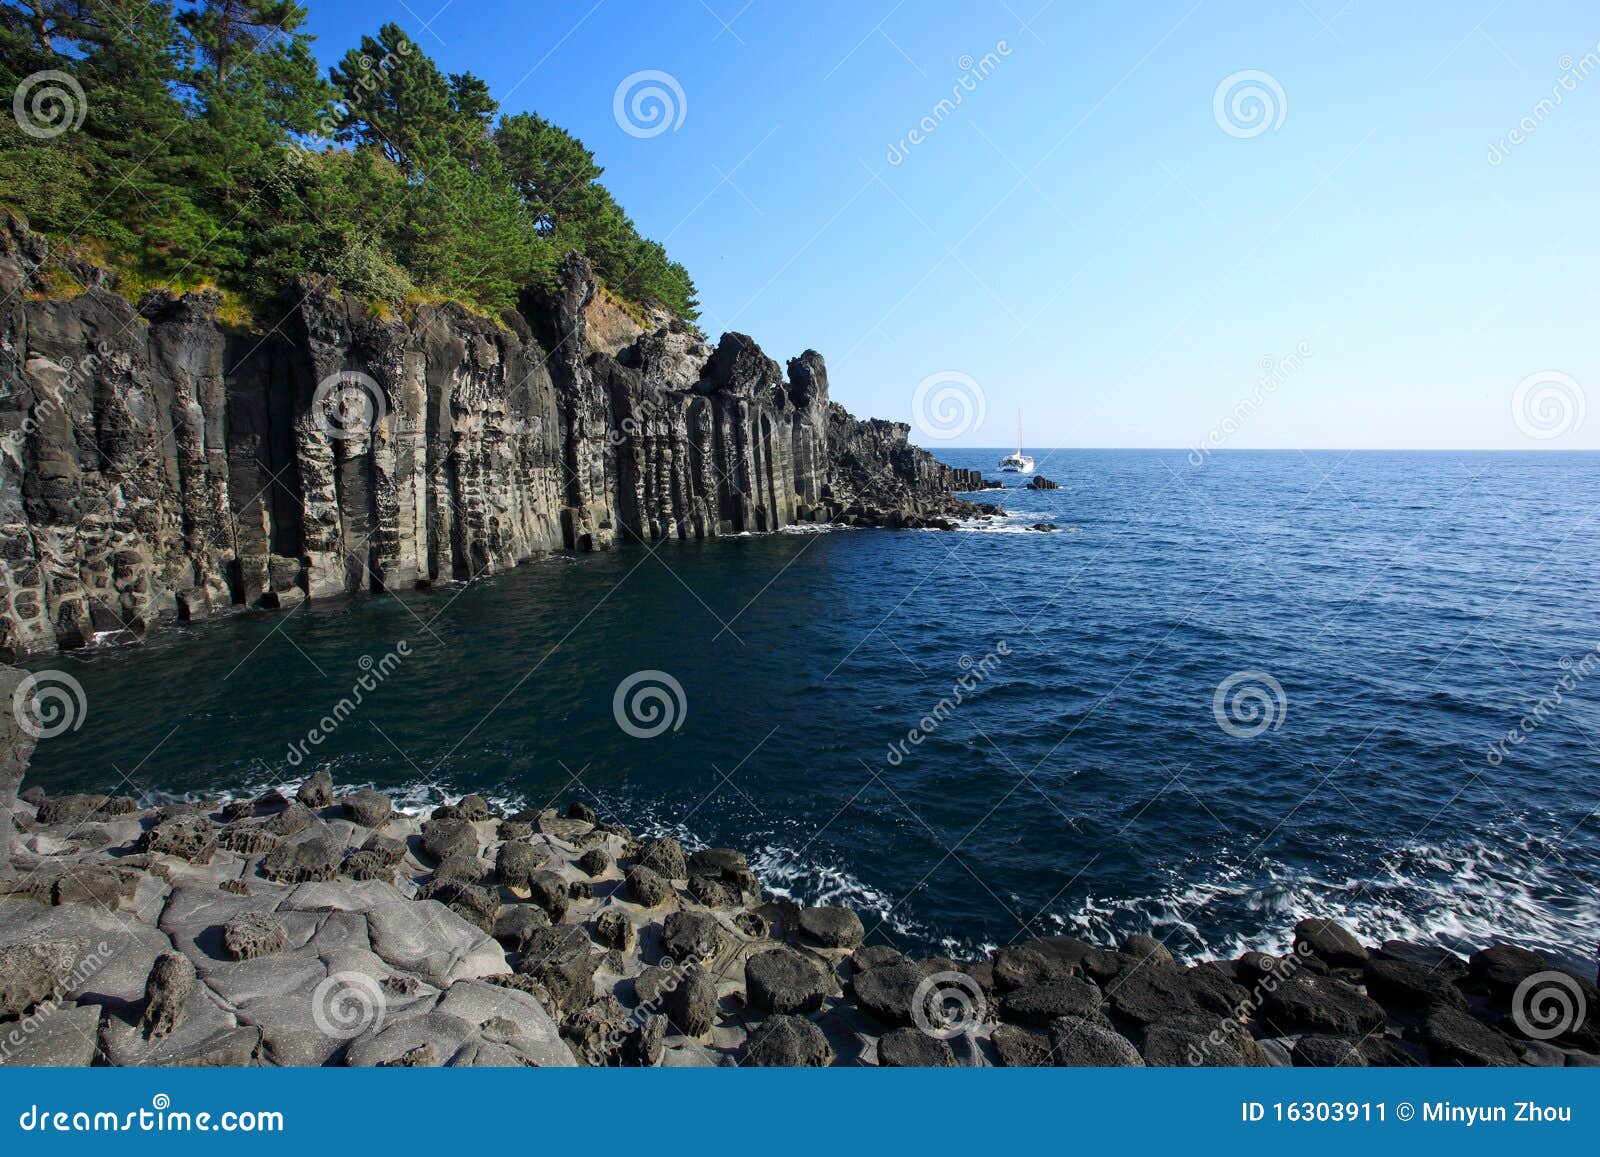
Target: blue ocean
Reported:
point(1227, 691)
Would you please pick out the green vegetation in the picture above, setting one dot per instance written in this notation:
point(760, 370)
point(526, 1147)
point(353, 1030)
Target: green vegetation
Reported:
point(212, 151)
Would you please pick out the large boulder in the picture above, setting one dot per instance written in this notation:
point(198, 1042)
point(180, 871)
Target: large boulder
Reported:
point(646, 887)
point(1405, 984)
point(314, 859)
point(317, 790)
point(1307, 1003)
point(693, 937)
point(831, 927)
point(721, 878)
point(1454, 1038)
point(787, 1041)
point(1328, 1052)
point(444, 838)
point(911, 1048)
point(1079, 1042)
point(1330, 942)
point(888, 991)
point(35, 971)
point(517, 863)
point(1039, 1004)
point(784, 980)
point(167, 992)
point(249, 935)
point(666, 858)
point(561, 959)
point(367, 808)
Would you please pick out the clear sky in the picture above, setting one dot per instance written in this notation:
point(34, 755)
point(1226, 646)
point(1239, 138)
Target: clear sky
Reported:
point(1090, 235)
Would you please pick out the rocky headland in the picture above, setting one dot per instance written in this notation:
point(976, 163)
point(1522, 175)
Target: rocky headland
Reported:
point(157, 464)
point(323, 927)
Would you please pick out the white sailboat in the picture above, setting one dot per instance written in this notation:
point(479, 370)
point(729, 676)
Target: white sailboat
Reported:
point(1018, 463)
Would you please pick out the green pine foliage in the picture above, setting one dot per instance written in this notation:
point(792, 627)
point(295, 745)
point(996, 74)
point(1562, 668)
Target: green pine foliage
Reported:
point(211, 150)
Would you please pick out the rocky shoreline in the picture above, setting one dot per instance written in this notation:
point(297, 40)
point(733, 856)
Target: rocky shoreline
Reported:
point(160, 465)
point(327, 928)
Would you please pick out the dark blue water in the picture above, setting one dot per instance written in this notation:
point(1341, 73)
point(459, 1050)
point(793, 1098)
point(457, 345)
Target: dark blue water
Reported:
point(1412, 608)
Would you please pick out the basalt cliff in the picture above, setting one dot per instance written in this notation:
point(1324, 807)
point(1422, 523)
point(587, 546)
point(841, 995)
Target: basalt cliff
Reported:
point(156, 464)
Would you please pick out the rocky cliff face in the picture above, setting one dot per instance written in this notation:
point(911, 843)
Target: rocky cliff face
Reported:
point(155, 464)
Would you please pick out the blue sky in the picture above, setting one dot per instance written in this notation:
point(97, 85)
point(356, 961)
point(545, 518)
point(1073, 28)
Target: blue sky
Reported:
point(1082, 237)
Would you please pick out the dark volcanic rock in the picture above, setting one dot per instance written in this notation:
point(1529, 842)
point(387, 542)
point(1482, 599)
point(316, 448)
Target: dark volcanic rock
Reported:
point(368, 809)
point(783, 980)
point(666, 858)
point(1319, 1004)
point(252, 934)
point(1020, 1048)
point(1040, 1004)
point(1076, 1042)
point(1040, 482)
point(1454, 1038)
point(693, 937)
point(442, 839)
point(788, 1042)
point(1330, 942)
point(911, 1048)
point(646, 888)
point(516, 864)
point(516, 924)
point(614, 930)
point(309, 860)
point(317, 790)
point(549, 891)
point(1328, 1052)
point(832, 927)
point(594, 862)
point(887, 991)
point(692, 1003)
point(1404, 984)
point(33, 972)
point(187, 837)
point(167, 992)
point(561, 959)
